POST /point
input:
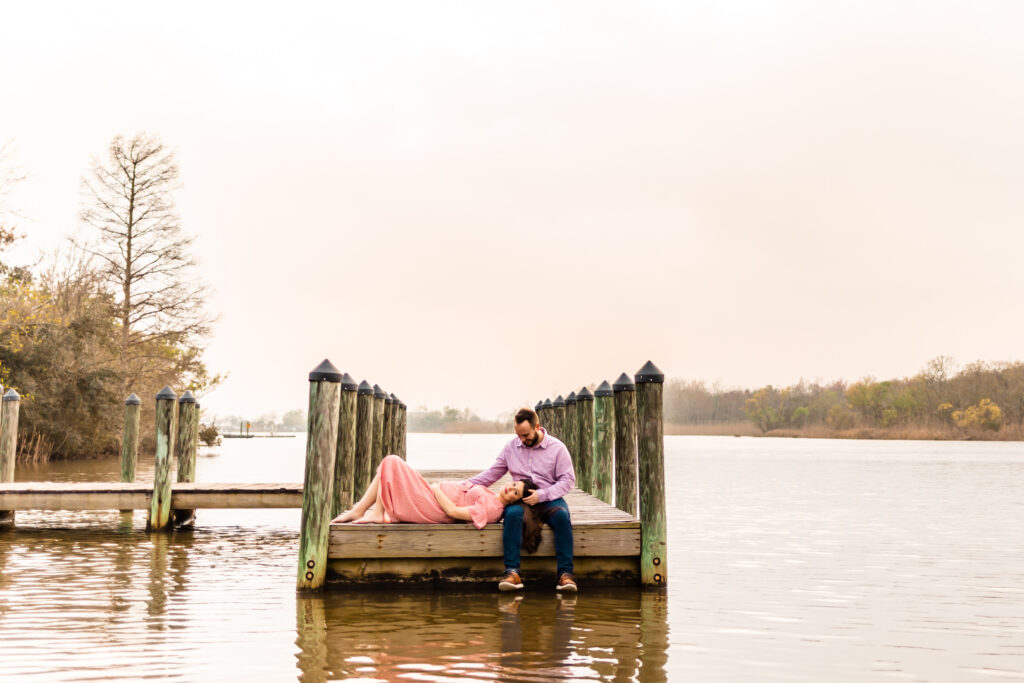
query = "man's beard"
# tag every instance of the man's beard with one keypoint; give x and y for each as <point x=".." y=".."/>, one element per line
<point x="531" y="442"/>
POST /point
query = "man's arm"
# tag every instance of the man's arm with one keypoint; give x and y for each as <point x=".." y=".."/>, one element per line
<point x="497" y="471"/>
<point x="565" y="478"/>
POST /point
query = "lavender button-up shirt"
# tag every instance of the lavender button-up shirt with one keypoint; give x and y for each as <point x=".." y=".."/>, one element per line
<point x="548" y="464"/>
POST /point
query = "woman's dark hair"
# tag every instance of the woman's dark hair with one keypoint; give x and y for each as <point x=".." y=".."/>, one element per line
<point x="531" y="519"/>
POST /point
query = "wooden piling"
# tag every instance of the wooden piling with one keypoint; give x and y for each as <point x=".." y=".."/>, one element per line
<point x="318" y="482"/>
<point x="651" y="456"/>
<point x="159" y="518"/>
<point x="547" y="409"/>
<point x="604" y="437"/>
<point x="389" y="425"/>
<point x="130" y="437"/>
<point x="396" y="408"/>
<point x="186" y="442"/>
<point x="377" y="452"/>
<point x="558" y="417"/>
<point x="585" y="448"/>
<point x="363" y="468"/>
<point x="403" y="430"/>
<point x="571" y="429"/>
<point x="625" y="444"/>
<point x="345" y="455"/>
<point x="8" y="446"/>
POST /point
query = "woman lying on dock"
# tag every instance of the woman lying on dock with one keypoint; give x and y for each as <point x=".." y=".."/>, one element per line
<point x="399" y="494"/>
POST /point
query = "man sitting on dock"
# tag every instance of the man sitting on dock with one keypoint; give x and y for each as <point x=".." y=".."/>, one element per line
<point x="535" y="454"/>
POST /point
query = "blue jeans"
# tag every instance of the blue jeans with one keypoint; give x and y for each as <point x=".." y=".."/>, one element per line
<point x="555" y="513"/>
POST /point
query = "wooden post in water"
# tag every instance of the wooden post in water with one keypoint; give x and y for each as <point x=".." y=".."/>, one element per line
<point x="651" y="450"/>
<point x="130" y="437"/>
<point x="159" y="518"/>
<point x="625" y="444"/>
<point x="378" y="429"/>
<point x="363" y="469"/>
<point x="558" y="418"/>
<point x="571" y="429"/>
<point x="391" y="438"/>
<point x="585" y="425"/>
<point x="604" y="437"/>
<point x="389" y="425"/>
<point x="8" y="446"/>
<point x="402" y="430"/>
<point x="318" y="482"/>
<point x="345" y="455"/>
<point x="185" y="447"/>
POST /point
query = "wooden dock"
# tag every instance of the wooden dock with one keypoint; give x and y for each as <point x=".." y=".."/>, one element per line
<point x="137" y="495"/>
<point x="606" y="548"/>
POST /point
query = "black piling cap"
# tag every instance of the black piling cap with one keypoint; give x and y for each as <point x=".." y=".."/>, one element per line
<point x="547" y="403"/>
<point x="570" y="400"/>
<point x="559" y="402"/>
<point x="584" y="395"/>
<point x="378" y="392"/>
<point x="12" y="395"/>
<point x="166" y="394"/>
<point x="540" y="404"/>
<point x="133" y="400"/>
<point x="187" y="397"/>
<point x="325" y="371"/>
<point x="623" y="383"/>
<point x="649" y="373"/>
<point x="401" y="405"/>
<point x="389" y="399"/>
<point x="604" y="389"/>
<point x="365" y="389"/>
<point x="348" y="383"/>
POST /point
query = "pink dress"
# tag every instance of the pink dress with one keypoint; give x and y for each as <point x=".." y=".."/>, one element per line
<point x="407" y="497"/>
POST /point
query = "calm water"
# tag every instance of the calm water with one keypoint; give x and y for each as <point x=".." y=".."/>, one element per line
<point x="789" y="560"/>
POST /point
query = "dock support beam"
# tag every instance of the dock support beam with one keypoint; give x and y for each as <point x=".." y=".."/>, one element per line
<point x="378" y="429"/>
<point x="571" y="428"/>
<point x="625" y="444"/>
<point x="604" y="436"/>
<point x="558" y="417"/>
<point x="651" y="446"/>
<point x="8" y="446"/>
<point x="387" y="431"/>
<point x="130" y="437"/>
<point x="402" y="430"/>
<point x="185" y="448"/>
<point x="345" y="455"/>
<point x="318" y="482"/>
<point x="585" y="452"/>
<point x="363" y="470"/>
<point x="159" y="518"/>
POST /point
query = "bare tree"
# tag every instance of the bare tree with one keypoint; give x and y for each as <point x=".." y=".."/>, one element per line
<point x="143" y="252"/>
<point x="10" y="176"/>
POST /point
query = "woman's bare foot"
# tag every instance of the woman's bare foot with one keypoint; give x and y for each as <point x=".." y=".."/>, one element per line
<point x="372" y="516"/>
<point x="346" y="516"/>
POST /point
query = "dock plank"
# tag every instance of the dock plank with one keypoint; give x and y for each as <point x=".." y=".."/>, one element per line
<point x="135" y="496"/>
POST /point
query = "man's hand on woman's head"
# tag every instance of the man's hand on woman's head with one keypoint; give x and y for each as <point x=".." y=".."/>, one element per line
<point x="531" y="499"/>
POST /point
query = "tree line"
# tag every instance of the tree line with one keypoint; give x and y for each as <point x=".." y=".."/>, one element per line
<point x="118" y="309"/>
<point x="979" y="400"/>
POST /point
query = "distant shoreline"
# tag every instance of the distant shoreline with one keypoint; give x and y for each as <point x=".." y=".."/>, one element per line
<point x="1009" y="433"/>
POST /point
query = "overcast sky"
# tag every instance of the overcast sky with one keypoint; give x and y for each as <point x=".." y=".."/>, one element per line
<point x="482" y="204"/>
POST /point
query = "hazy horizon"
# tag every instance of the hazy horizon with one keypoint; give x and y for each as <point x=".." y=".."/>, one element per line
<point x="484" y="205"/>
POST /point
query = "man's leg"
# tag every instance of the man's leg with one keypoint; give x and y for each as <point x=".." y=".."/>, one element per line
<point x="556" y="514"/>
<point x="512" y="540"/>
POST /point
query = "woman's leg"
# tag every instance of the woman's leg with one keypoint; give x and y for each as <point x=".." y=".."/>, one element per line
<point x="371" y="496"/>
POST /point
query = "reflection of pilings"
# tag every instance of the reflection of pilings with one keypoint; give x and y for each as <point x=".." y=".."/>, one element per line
<point x="653" y="636"/>
<point x="156" y="606"/>
<point x="311" y="638"/>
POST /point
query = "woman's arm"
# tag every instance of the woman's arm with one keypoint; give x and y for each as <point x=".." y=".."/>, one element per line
<point x="450" y="508"/>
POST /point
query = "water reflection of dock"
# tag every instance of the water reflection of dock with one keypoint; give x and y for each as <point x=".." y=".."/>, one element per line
<point x="607" y="635"/>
